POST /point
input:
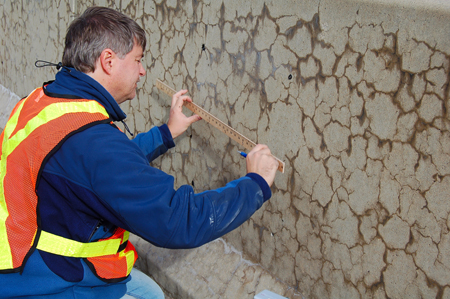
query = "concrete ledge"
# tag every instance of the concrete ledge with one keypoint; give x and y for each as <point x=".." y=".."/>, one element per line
<point x="215" y="270"/>
<point x="8" y="100"/>
<point x="438" y="5"/>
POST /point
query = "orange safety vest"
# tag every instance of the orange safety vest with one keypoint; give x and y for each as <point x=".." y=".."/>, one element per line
<point x="37" y="127"/>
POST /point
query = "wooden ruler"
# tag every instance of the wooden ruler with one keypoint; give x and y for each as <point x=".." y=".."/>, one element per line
<point x="217" y="123"/>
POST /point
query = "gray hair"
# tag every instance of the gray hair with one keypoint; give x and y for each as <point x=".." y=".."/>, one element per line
<point x="100" y="28"/>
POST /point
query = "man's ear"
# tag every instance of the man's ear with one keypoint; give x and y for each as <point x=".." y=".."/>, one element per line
<point x="106" y="60"/>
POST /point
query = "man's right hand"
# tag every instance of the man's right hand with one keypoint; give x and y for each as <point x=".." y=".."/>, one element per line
<point x="260" y="161"/>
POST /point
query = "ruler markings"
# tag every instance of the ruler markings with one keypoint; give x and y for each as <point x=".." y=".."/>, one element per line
<point x="217" y="123"/>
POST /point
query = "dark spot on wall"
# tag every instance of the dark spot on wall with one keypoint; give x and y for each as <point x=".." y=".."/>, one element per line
<point x="350" y="145"/>
<point x="362" y="117"/>
<point x="290" y="32"/>
<point x="203" y="47"/>
<point x="316" y="25"/>
<point x="323" y="145"/>
<point x="290" y="76"/>
<point x="359" y="62"/>
<point x="192" y="29"/>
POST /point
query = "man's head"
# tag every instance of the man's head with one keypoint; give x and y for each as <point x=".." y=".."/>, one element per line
<point x="100" y="28"/>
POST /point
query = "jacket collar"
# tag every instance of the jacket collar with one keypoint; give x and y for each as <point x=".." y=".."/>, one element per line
<point x="69" y="81"/>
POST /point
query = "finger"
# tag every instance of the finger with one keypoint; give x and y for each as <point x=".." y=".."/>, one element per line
<point x="177" y="95"/>
<point x="259" y="147"/>
<point x="265" y="151"/>
<point x="187" y="99"/>
<point x="180" y="101"/>
<point x="192" y="119"/>
<point x="184" y="99"/>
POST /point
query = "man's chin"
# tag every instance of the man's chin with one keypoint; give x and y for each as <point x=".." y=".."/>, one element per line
<point x="131" y="96"/>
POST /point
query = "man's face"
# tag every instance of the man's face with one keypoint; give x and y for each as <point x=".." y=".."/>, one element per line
<point x="127" y="73"/>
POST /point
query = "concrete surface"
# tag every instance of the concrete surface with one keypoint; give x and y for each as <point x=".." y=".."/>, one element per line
<point x="8" y="100"/>
<point x="215" y="270"/>
<point x="352" y="95"/>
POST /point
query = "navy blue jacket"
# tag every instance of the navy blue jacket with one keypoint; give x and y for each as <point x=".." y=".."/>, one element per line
<point x="99" y="180"/>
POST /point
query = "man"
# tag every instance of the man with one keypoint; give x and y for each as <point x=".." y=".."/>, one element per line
<point x="72" y="185"/>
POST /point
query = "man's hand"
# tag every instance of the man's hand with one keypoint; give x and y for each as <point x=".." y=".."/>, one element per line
<point x="260" y="160"/>
<point x="178" y="122"/>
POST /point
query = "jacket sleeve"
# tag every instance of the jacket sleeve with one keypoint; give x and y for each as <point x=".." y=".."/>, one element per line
<point x="144" y="200"/>
<point x="154" y="142"/>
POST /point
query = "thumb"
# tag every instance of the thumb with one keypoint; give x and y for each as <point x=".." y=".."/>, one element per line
<point x="192" y="119"/>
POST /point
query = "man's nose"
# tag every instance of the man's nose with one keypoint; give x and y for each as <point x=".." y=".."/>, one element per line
<point x="142" y="71"/>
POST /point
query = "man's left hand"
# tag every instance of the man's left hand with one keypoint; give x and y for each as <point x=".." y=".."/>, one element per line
<point x="178" y="122"/>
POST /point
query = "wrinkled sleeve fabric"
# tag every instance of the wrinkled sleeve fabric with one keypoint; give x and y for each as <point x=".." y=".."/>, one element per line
<point x="144" y="198"/>
<point x="155" y="142"/>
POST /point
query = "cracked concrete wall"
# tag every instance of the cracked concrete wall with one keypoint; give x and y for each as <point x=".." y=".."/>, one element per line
<point x="352" y="95"/>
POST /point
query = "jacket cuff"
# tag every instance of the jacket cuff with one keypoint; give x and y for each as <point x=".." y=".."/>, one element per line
<point x="267" y="193"/>
<point x="166" y="136"/>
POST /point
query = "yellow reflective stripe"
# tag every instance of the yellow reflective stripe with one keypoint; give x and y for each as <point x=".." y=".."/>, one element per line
<point x="129" y="255"/>
<point x="126" y="235"/>
<point x="5" y="250"/>
<point x="61" y="246"/>
<point x="51" y="112"/>
<point x="11" y="124"/>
